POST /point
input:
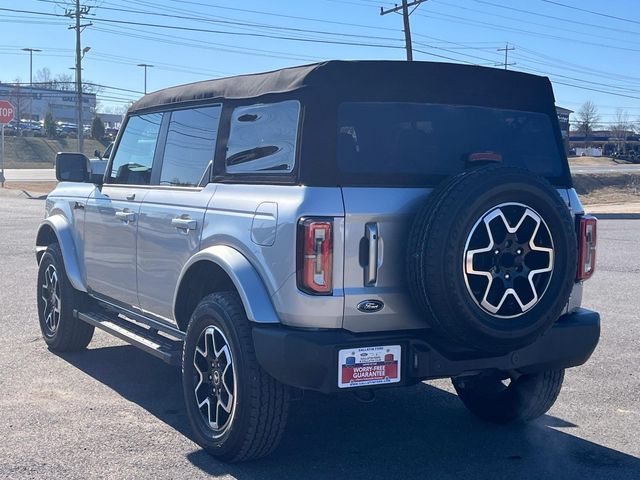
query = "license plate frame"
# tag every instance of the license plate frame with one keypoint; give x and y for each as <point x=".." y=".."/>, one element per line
<point x="369" y="366"/>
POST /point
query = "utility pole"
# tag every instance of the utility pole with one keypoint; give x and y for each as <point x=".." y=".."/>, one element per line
<point x="506" y="51"/>
<point x="30" y="50"/>
<point x="79" y="14"/>
<point x="145" y="66"/>
<point x="405" y="17"/>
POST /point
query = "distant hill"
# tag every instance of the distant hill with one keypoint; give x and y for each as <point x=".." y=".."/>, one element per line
<point x="36" y="152"/>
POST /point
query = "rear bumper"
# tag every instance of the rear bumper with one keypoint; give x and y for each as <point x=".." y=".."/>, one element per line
<point x="309" y="359"/>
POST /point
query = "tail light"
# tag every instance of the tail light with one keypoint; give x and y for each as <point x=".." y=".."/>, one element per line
<point x="315" y="256"/>
<point x="587" y="242"/>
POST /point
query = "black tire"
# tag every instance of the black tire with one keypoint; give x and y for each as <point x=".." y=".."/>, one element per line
<point x="67" y="333"/>
<point x="438" y="283"/>
<point x="257" y="420"/>
<point x="523" y="399"/>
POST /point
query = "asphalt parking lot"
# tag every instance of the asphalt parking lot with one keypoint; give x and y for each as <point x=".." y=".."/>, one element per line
<point x="114" y="412"/>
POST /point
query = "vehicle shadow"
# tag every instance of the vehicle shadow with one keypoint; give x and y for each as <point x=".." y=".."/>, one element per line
<point x="415" y="432"/>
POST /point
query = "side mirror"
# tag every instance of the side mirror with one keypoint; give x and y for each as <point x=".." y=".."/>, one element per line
<point x="72" y="167"/>
<point x="96" y="153"/>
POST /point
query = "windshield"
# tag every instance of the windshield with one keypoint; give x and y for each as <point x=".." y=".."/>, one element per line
<point x="410" y="143"/>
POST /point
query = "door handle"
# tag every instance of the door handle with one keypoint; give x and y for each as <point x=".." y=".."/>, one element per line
<point x="126" y="216"/>
<point x="131" y="196"/>
<point x="182" y="223"/>
<point x="371" y="269"/>
<point x="78" y="205"/>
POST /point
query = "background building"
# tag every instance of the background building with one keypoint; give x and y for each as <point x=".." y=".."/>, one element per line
<point x="33" y="103"/>
<point x="606" y="141"/>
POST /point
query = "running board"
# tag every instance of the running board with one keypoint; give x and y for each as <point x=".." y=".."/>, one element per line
<point x="147" y="339"/>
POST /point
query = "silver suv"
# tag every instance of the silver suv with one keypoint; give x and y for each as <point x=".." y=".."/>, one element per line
<point x="337" y="227"/>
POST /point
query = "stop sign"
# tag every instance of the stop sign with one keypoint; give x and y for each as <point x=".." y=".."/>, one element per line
<point x="7" y="111"/>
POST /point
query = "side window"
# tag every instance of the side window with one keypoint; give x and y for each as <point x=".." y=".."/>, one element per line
<point x="263" y="138"/>
<point x="190" y="147"/>
<point x="134" y="157"/>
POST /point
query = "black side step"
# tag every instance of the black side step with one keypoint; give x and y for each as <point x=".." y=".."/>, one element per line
<point x="167" y="350"/>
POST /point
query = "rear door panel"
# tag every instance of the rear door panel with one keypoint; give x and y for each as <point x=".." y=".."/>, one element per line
<point x="164" y="247"/>
<point x="390" y="210"/>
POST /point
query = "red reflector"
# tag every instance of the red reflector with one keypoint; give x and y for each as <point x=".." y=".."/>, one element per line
<point x="315" y="256"/>
<point x="587" y="243"/>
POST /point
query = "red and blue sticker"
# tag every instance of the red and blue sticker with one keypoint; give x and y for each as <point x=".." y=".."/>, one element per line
<point x="358" y="367"/>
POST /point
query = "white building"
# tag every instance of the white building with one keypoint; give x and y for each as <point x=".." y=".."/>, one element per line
<point x="35" y="102"/>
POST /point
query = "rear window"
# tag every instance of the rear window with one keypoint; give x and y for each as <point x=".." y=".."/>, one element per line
<point x="412" y="143"/>
<point x="262" y="139"/>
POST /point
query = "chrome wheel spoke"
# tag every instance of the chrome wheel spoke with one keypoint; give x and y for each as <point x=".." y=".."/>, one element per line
<point x="508" y="260"/>
<point x="229" y="393"/>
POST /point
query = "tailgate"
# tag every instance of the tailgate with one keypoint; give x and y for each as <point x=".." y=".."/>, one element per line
<point x="377" y="223"/>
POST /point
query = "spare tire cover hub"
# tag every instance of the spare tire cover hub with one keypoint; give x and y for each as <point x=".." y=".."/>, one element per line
<point x="508" y="260"/>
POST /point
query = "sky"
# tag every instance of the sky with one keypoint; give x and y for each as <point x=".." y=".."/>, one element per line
<point x="590" y="49"/>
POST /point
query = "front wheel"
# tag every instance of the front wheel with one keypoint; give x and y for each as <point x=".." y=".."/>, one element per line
<point x="500" y="398"/>
<point x="236" y="410"/>
<point x="56" y="301"/>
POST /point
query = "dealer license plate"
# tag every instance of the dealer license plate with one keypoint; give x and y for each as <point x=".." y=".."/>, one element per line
<point x="359" y="367"/>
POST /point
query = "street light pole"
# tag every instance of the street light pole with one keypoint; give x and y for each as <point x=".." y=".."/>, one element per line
<point x="31" y="50"/>
<point x="78" y="14"/>
<point x="145" y="66"/>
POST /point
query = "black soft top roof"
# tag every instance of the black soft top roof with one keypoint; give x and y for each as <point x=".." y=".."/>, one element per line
<point x="377" y="80"/>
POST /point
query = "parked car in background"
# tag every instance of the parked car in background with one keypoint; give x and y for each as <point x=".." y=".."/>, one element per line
<point x="111" y="133"/>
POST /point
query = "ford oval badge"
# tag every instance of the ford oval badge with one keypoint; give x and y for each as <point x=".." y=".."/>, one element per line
<point x="370" y="306"/>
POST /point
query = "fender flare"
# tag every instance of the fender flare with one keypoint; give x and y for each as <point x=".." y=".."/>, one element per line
<point x="62" y="231"/>
<point x="253" y="293"/>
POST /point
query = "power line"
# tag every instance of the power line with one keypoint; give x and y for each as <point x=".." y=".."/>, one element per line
<point x="201" y="44"/>
<point x="244" y="34"/>
<point x="493" y="26"/>
<point x="310" y="19"/>
<point x="239" y="23"/>
<point x="593" y="12"/>
<point x="556" y="18"/>
<point x="221" y="32"/>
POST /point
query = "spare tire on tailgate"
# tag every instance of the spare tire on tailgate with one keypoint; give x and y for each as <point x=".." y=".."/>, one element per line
<point x="492" y="259"/>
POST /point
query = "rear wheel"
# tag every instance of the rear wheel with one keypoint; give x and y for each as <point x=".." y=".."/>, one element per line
<point x="57" y="300"/>
<point x="236" y="410"/>
<point x="500" y="398"/>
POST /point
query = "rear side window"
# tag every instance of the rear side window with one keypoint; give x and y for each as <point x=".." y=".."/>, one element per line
<point x="134" y="157"/>
<point x="263" y="138"/>
<point x="190" y="146"/>
<point x="402" y="142"/>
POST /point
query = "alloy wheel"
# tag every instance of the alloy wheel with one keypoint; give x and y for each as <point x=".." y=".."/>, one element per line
<point x="508" y="260"/>
<point x="215" y="379"/>
<point x="50" y="294"/>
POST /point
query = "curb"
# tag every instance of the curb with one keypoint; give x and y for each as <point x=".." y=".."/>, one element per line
<point x="616" y="216"/>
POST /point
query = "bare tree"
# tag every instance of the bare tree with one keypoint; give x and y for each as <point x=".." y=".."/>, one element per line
<point x="588" y="119"/>
<point x="18" y="98"/>
<point x="90" y="87"/>
<point x="42" y="78"/>
<point x="621" y="129"/>
<point x="64" y="81"/>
